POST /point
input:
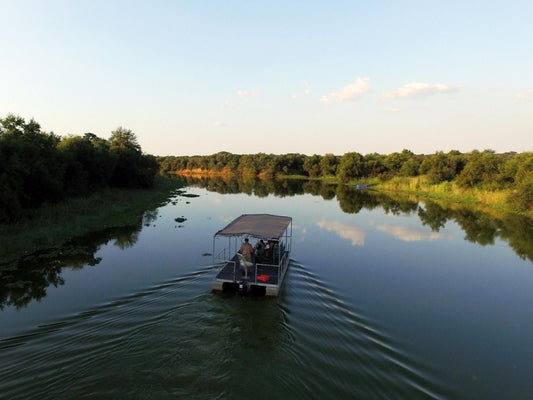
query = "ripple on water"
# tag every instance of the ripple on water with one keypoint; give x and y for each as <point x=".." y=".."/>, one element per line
<point x="178" y="339"/>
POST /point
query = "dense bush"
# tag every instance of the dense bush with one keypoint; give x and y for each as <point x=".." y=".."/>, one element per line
<point x="38" y="167"/>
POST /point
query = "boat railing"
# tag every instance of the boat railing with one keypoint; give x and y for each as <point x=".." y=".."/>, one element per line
<point x="281" y="266"/>
<point x="221" y="256"/>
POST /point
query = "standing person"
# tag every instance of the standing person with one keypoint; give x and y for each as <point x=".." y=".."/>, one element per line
<point x="247" y="250"/>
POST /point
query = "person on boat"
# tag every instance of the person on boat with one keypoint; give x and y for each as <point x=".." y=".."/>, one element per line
<point x="260" y="250"/>
<point x="269" y="250"/>
<point x="247" y="250"/>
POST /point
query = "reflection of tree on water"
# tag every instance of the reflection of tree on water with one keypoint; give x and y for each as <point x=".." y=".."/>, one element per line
<point x="28" y="278"/>
<point x="433" y="216"/>
<point x="479" y="227"/>
<point x="257" y="187"/>
<point x="482" y="228"/>
<point x="352" y="201"/>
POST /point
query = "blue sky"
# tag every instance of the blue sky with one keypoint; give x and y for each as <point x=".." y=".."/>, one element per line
<point x="312" y="77"/>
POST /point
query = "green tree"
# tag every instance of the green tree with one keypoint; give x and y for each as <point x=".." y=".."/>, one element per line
<point x="312" y="165"/>
<point x="481" y="168"/>
<point x="124" y="139"/>
<point x="328" y="164"/>
<point x="441" y="167"/>
<point x="350" y="167"/>
<point x="373" y="164"/>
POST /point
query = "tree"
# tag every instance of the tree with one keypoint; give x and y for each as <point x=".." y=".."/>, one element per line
<point x="312" y="165"/>
<point x="441" y="167"/>
<point x="480" y="168"/>
<point x="350" y="167"/>
<point x="328" y="164"/>
<point x="124" y="139"/>
<point x="373" y="164"/>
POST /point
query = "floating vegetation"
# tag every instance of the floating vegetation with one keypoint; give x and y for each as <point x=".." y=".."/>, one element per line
<point x="190" y="195"/>
<point x="180" y="219"/>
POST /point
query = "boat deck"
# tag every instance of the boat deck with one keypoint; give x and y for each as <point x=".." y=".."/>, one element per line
<point x="226" y="274"/>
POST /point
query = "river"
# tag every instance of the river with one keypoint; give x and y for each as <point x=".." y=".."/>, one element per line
<point x="385" y="298"/>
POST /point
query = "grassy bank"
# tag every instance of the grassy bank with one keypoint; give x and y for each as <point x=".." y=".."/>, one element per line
<point x="498" y="200"/>
<point x="51" y="226"/>
<point x="449" y="191"/>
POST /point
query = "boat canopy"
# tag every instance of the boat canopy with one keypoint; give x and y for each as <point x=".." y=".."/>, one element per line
<point x="266" y="226"/>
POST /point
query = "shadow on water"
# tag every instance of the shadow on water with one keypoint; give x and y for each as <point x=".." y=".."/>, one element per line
<point x="27" y="278"/>
<point x="177" y="340"/>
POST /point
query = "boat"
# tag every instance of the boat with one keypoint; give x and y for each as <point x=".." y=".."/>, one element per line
<point x="265" y="272"/>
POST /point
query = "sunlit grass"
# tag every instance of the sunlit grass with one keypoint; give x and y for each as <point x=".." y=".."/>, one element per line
<point x="450" y="191"/>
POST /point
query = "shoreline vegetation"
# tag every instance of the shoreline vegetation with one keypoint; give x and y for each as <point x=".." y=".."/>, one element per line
<point x="57" y="188"/>
<point x="39" y="167"/>
<point x="487" y="179"/>
<point x="51" y="226"/>
<point x="483" y="199"/>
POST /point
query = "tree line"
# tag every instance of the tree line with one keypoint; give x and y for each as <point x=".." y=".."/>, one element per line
<point x="38" y="167"/>
<point x="486" y="169"/>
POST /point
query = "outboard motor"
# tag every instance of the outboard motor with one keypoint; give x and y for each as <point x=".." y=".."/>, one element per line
<point x="242" y="287"/>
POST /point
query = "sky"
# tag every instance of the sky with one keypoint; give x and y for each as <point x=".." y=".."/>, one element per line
<point x="312" y="77"/>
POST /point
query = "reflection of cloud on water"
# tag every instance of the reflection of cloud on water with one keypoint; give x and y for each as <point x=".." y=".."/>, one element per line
<point x="409" y="234"/>
<point x="302" y="236"/>
<point x="345" y="231"/>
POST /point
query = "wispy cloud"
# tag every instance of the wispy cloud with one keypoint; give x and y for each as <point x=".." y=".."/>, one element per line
<point x="226" y="104"/>
<point x="248" y="93"/>
<point x="350" y="92"/>
<point x="304" y="94"/>
<point x="527" y="96"/>
<point x="345" y="231"/>
<point x="219" y="124"/>
<point x="415" y="90"/>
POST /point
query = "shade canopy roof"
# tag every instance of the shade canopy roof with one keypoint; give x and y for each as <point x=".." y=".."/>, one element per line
<point x="265" y="226"/>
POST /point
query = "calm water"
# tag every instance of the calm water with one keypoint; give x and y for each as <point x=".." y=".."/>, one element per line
<point x="384" y="299"/>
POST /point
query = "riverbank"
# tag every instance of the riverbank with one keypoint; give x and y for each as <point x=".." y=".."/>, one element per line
<point x="51" y="226"/>
<point x="498" y="200"/>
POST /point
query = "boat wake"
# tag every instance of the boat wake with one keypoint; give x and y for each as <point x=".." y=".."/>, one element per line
<point x="177" y="339"/>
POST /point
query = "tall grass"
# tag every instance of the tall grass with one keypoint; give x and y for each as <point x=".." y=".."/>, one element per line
<point x="450" y="191"/>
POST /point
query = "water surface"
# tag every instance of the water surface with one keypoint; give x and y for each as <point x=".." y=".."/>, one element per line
<point x="384" y="298"/>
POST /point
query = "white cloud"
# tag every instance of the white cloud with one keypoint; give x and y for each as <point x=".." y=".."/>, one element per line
<point x="304" y="94"/>
<point x="416" y="90"/>
<point x="527" y="96"/>
<point x="350" y="92"/>
<point x="345" y="231"/>
<point x="248" y="93"/>
<point x="226" y="104"/>
<point x="219" y="124"/>
<point x="408" y="234"/>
